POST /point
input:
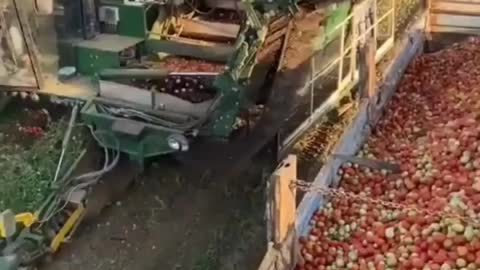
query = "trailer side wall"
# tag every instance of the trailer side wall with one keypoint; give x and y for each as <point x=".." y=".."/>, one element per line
<point x="359" y="129"/>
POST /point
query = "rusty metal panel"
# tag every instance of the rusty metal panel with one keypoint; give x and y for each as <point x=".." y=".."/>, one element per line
<point x="454" y="16"/>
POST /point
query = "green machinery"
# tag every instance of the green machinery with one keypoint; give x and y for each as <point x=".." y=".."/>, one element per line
<point x="174" y="72"/>
<point x="154" y="75"/>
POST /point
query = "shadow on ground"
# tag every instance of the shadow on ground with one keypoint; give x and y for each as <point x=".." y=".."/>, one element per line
<point x="173" y="221"/>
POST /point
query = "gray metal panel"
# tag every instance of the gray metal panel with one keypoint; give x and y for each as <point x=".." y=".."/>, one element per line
<point x="108" y="42"/>
<point x="456" y="20"/>
<point x="129" y="127"/>
<point x="143" y="98"/>
<point x="456" y="30"/>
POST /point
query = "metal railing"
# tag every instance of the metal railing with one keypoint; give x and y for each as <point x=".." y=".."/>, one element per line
<point x="341" y="73"/>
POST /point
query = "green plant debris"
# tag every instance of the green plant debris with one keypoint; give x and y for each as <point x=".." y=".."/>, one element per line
<point x="28" y="169"/>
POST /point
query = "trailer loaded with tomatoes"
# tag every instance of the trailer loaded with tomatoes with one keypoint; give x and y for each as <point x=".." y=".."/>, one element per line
<point x="426" y="215"/>
<point x="401" y="189"/>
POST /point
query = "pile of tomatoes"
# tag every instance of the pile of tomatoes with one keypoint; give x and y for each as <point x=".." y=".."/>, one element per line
<point x="431" y="128"/>
<point x="183" y="64"/>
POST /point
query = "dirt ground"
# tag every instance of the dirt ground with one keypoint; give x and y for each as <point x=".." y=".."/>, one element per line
<point x="170" y="222"/>
<point x="167" y="220"/>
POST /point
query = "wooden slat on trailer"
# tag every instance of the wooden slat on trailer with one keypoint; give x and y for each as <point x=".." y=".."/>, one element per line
<point x="281" y="209"/>
<point x="454" y="16"/>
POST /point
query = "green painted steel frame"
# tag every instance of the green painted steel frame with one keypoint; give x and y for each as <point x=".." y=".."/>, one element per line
<point x="150" y="143"/>
<point x="90" y="61"/>
<point x="230" y="85"/>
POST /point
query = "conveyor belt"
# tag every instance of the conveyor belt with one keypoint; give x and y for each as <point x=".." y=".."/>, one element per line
<point x="233" y="157"/>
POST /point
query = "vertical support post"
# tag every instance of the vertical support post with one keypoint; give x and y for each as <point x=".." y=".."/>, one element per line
<point x="342" y="56"/>
<point x="428" y="21"/>
<point x="367" y="68"/>
<point x="354" y="49"/>
<point x="362" y="73"/>
<point x="368" y="53"/>
<point x="281" y="214"/>
<point x="394" y="19"/>
<point x="312" y="86"/>
<point x="284" y="199"/>
<point x="375" y="20"/>
<point x="372" y="67"/>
